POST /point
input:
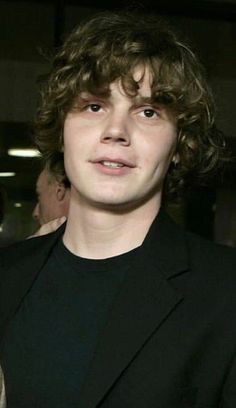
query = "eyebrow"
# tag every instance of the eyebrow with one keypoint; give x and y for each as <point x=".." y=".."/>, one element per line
<point x="149" y="100"/>
<point x="144" y="99"/>
<point x="137" y="99"/>
<point x="85" y="96"/>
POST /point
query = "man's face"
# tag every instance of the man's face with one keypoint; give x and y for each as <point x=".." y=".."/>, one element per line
<point x="118" y="148"/>
<point x="47" y="207"/>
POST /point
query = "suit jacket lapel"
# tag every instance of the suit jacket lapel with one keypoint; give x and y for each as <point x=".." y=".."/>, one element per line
<point x="144" y="301"/>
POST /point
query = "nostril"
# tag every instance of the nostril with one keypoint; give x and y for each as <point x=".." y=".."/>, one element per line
<point x="124" y="141"/>
<point x="115" y="134"/>
<point x="115" y="139"/>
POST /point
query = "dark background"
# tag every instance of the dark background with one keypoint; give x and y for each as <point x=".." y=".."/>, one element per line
<point x="29" y="29"/>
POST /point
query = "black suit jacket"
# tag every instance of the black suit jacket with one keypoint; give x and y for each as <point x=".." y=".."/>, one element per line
<point x="170" y="339"/>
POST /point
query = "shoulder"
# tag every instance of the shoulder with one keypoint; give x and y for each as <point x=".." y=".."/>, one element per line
<point x="16" y="249"/>
<point x="28" y="248"/>
<point x="19" y="267"/>
<point x="197" y="252"/>
<point x="208" y="252"/>
<point x="213" y="267"/>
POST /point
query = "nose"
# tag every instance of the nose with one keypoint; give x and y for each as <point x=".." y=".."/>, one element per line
<point x="117" y="130"/>
<point x="35" y="213"/>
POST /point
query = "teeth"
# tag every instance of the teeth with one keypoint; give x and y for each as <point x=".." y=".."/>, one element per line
<point x="112" y="165"/>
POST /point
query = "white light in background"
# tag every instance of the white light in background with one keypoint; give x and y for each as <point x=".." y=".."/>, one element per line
<point x="7" y="174"/>
<point x="17" y="205"/>
<point x="23" y="152"/>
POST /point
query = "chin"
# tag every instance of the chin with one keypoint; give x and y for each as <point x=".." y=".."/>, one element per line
<point x="118" y="206"/>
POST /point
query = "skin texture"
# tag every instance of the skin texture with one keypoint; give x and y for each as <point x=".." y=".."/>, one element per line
<point x="53" y="199"/>
<point x="118" y="129"/>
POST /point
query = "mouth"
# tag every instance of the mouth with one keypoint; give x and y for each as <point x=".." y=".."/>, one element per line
<point x="111" y="164"/>
<point x="114" y="163"/>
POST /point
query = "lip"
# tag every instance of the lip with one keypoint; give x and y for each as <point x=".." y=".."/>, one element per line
<point x="119" y="160"/>
<point x="124" y="170"/>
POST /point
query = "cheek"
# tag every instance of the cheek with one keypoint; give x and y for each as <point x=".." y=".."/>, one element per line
<point x="166" y="147"/>
<point x="157" y="155"/>
<point x="75" y="140"/>
<point x="74" y="158"/>
<point x="157" y="159"/>
<point x="71" y="148"/>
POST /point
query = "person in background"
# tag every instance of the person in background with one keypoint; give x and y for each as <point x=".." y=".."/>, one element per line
<point x="120" y="307"/>
<point x="53" y="194"/>
<point x="2" y="391"/>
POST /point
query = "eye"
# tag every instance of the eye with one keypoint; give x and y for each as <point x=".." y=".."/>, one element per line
<point x="94" y="107"/>
<point x="150" y="113"/>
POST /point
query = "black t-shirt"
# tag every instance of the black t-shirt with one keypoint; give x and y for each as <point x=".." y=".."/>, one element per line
<point x="50" y="341"/>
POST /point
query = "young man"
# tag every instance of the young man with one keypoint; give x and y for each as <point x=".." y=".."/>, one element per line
<point x="121" y="308"/>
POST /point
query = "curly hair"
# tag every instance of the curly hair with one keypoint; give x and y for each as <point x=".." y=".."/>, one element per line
<point x="109" y="46"/>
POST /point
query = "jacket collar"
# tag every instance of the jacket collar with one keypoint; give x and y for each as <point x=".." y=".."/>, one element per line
<point x="165" y="245"/>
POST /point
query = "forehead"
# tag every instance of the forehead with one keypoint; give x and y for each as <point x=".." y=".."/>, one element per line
<point x="137" y="83"/>
<point x="144" y="78"/>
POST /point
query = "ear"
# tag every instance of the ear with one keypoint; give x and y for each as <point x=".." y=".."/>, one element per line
<point x="60" y="192"/>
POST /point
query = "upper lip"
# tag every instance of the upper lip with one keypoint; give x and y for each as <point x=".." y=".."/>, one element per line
<point x="119" y="160"/>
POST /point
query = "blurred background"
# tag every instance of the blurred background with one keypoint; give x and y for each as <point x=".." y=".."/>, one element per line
<point x="30" y="29"/>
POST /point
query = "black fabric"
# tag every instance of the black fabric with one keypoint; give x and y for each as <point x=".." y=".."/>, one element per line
<point x="51" y="340"/>
<point x="170" y="337"/>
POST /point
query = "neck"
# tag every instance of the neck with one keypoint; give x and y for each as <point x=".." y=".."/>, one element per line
<point x="97" y="233"/>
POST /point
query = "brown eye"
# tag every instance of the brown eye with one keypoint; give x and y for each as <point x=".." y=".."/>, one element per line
<point x="94" y="107"/>
<point x="149" y="113"/>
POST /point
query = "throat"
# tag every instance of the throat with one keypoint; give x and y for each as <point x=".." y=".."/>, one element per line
<point x="100" y="235"/>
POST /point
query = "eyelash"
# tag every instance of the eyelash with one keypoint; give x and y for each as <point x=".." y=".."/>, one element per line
<point x="154" y="112"/>
<point x="89" y="106"/>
